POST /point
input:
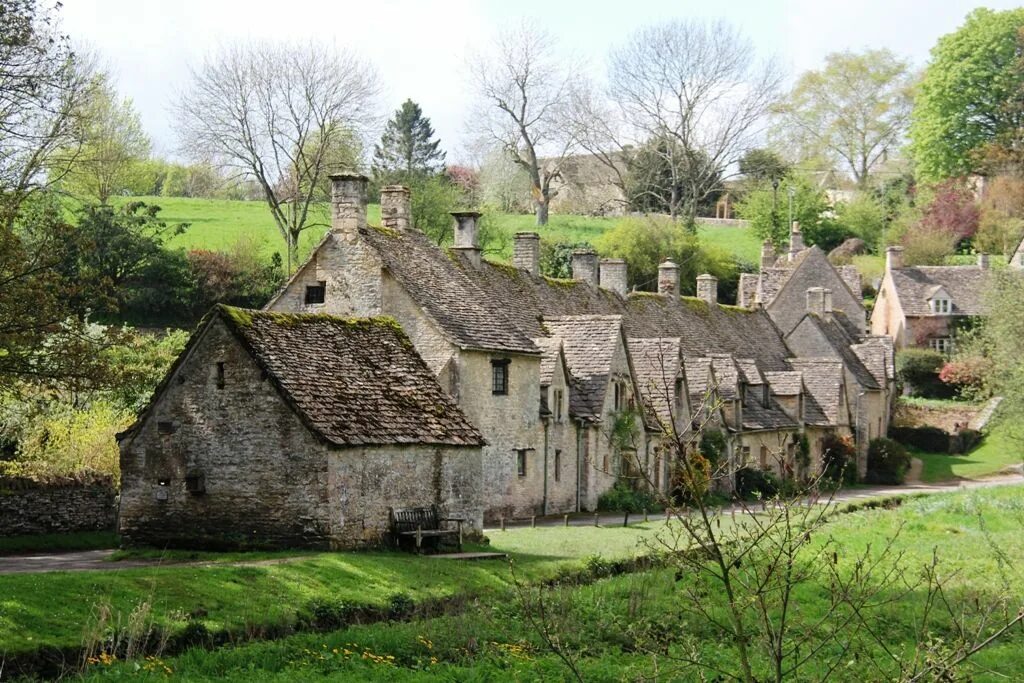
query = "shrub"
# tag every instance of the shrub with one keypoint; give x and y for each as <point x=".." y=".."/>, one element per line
<point x="967" y="374"/>
<point x="928" y="439"/>
<point x="623" y="497"/>
<point x="838" y="460"/>
<point x="888" y="462"/>
<point x="712" y="445"/>
<point x="756" y="484"/>
<point x="965" y="440"/>
<point x="919" y="369"/>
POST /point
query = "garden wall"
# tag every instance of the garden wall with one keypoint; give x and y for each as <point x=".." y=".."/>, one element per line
<point x="64" y="506"/>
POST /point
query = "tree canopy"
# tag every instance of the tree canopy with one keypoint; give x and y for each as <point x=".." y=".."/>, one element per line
<point x="408" y="146"/>
<point x="966" y="97"/>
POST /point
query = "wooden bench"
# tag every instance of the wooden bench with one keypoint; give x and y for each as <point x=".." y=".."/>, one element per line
<point x="422" y="527"/>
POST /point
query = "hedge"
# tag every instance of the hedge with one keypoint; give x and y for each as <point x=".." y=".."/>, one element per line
<point x="888" y="462"/>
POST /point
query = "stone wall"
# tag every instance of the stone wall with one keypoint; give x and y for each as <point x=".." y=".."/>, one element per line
<point x="28" y="507"/>
<point x="263" y="474"/>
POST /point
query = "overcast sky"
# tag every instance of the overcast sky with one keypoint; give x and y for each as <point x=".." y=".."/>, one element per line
<point x="418" y="48"/>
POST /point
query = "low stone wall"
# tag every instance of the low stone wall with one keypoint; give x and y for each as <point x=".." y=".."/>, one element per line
<point x="29" y="507"/>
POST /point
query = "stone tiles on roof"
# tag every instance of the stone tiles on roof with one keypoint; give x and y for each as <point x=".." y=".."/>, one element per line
<point x="354" y="382"/>
<point x="434" y="281"/>
<point x="760" y="417"/>
<point x="823" y="379"/>
<point x="965" y="284"/>
<point x="785" y="383"/>
<point x="841" y="343"/>
<point x="657" y="364"/>
<point x="589" y="343"/>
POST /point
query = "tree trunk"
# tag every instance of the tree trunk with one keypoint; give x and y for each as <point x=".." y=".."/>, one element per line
<point x="541" y="206"/>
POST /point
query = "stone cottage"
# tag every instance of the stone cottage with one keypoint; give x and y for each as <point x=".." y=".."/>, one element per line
<point x="924" y="306"/>
<point x="278" y="429"/>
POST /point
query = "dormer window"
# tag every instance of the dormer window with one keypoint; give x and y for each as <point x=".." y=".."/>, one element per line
<point x="316" y="294"/>
<point x="558" y="404"/>
<point x="941" y="306"/>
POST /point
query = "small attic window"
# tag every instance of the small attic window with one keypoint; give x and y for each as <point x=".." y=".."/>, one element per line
<point x="316" y="294"/>
<point x="941" y="305"/>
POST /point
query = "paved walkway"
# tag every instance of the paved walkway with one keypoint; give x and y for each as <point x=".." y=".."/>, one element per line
<point x="91" y="560"/>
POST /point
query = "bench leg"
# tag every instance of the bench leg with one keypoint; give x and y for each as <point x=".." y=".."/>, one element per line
<point x="419" y="538"/>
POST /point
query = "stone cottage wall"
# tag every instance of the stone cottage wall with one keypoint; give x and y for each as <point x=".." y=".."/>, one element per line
<point x="28" y="507"/>
<point x="263" y="474"/>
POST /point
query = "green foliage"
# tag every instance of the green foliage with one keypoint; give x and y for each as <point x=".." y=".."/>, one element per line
<point x="760" y="165"/>
<point x="926" y="438"/>
<point x="407" y="148"/>
<point x="919" y="370"/>
<point x="962" y="102"/>
<point x="756" y="484"/>
<point x="434" y="197"/>
<point x="712" y="445"/>
<point x="888" y="462"/>
<point x="624" y="497"/>
<point x="768" y="210"/>
<point x="665" y="178"/>
<point x="864" y="217"/>
<point x="838" y="460"/>
<point x="193" y="180"/>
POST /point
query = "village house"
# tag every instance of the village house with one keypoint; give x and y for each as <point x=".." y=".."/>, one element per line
<point x="925" y="306"/>
<point x="278" y="429"/>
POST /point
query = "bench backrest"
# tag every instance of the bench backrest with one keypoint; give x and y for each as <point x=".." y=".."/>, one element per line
<point x="410" y="519"/>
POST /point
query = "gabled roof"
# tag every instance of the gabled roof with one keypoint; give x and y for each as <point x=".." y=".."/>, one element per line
<point x="786" y="383"/>
<point x="837" y="338"/>
<point x="589" y="343"/>
<point x="749" y="371"/>
<point x="760" y="417"/>
<point x="657" y="363"/>
<point x="916" y="285"/>
<point x="876" y="353"/>
<point x="353" y="382"/>
<point x="727" y="374"/>
<point x="550" y="353"/>
<point x="823" y="379"/>
<point x="779" y="278"/>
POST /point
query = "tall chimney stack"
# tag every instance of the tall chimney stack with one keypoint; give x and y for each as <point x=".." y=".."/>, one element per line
<point x="707" y="289"/>
<point x="796" y="240"/>
<point x="584" y="266"/>
<point x="668" y="278"/>
<point x="819" y="302"/>
<point x="395" y="207"/>
<point x="893" y="258"/>
<point x="613" y="275"/>
<point x="348" y="202"/>
<point x="767" y="255"/>
<point x="467" y="235"/>
<point x="526" y="252"/>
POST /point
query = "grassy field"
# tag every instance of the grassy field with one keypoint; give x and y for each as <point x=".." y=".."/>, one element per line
<point x="219" y="224"/>
<point x="997" y="452"/>
<point x="602" y="622"/>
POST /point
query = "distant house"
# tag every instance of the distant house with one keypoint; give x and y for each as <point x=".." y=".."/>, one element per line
<point x="279" y="429"/>
<point x="922" y="306"/>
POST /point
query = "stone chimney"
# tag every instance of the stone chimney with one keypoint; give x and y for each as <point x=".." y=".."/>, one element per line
<point x="893" y="258"/>
<point x="348" y="202"/>
<point x="466" y="235"/>
<point x="526" y="252"/>
<point x="584" y="266"/>
<point x="983" y="261"/>
<point x="796" y="240"/>
<point x="707" y="289"/>
<point x="767" y="255"/>
<point x="819" y="302"/>
<point x="395" y="207"/>
<point x="613" y="275"/>
<point x="668" y="278"/>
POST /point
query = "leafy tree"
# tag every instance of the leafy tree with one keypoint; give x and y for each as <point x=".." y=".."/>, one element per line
<point x="433" y="200"/>
<point x="767" y="210"/>
<point x="759" y="165"/>
<point x="854" y="111"/>
<point x="863" y="216"/>
<point x="658" y="181"/>
<point x="964" y="100"/>
<point x="1001" y="226"/>
<point x="408" y="147"/>
<point x="195" y="180"/>
<point x="112" y="143"/>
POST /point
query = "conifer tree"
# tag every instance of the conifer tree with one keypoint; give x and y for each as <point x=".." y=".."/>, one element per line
<point x="407" y="148"/>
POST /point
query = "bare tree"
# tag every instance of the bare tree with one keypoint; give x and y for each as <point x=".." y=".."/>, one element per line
<point x="690" y="93"/>
<point x="43" y="85"/>
<point x="524" y="87"/>
<point x="276" y="113"/>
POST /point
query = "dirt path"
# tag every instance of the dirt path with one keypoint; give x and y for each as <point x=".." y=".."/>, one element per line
<point x="914" y="473"/>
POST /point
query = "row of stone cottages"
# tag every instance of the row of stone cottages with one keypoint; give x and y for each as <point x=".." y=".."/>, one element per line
<point x="391" y="372"/>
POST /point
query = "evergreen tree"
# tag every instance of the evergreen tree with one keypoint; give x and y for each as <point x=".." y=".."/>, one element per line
<point x="407" y="148"/>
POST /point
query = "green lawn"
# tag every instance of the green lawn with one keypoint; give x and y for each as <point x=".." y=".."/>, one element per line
<point x="972" y="532"/>
<point x="997" y="452"/>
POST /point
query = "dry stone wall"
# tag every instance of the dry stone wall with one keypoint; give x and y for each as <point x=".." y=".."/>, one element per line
<point x="28" y="507"/>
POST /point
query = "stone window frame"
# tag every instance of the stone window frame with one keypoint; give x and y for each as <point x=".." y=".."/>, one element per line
<point x="559" y="396"/>
<point x="558" y="464"/>
<point x="941" y="306"/>
<point x="221" y="380"/>
<point x="521" y="463"/>
<point x="943" y="345"/>
<point x="500" y="376"/>
<point x="316" y="295"/>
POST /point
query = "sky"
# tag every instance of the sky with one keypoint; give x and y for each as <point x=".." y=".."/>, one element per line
<point x="419" y="49"/>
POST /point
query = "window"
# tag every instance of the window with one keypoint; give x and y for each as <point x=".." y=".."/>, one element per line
<point x="220" y="375"/>
<point x="620" y="396"/>
<point x="521" y="462"/>
<point x="558" y="405"/>
<point x="764" y="458"/>
<point x="165" y="427"/>
<point x="195" y="483"/>
<point x="745" y="455"/>
<point x="316" y="294"/>
<point x="941" y="344"/>
<point x="558" y="465"/>
<point x="499" y="376"/>
<point x="941" y="306"/>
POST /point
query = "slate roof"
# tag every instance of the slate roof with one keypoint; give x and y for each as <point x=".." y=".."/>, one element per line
<point x="965" y="285"/>
<point x="657" y="364"/>
<point x="876" y="353"/>
<point x="727" y="375"/>
<point x="589" y="343"/>
<point x="758" y="417"/>
<point x="700" y="379"/>
<point x="786" y="383"/>
<point x="749" y="372"/>
<point x="841" y="343"/>
<point x="353" y="382"/>
<point x="823" y="379"/>
<point x="851" y="276"/>
<point x="550" y="348"/>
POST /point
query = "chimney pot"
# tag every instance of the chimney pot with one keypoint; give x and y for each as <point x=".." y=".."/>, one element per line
<point x="613" y="275"/>
<point x="767" y="255"/>
<point x="584" y="266"/>
<point x="668" y="278"/>
<point x="893" y="258"/>
<point x="707" y="289"/>
<point x="396" y="207"/>
<point x="796" y="240"/>
<point x="526" y="252"/>
<point x="348" y="202"/>
<point x="819" y="302"/>
<point x="467" y="235"/>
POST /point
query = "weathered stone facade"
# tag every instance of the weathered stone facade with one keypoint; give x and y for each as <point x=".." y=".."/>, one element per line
<point x="28" y="507"/>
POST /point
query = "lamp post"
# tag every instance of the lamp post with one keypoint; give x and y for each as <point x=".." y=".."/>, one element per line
<point x="775" y="203"/>
<point x="792" y="195"/>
